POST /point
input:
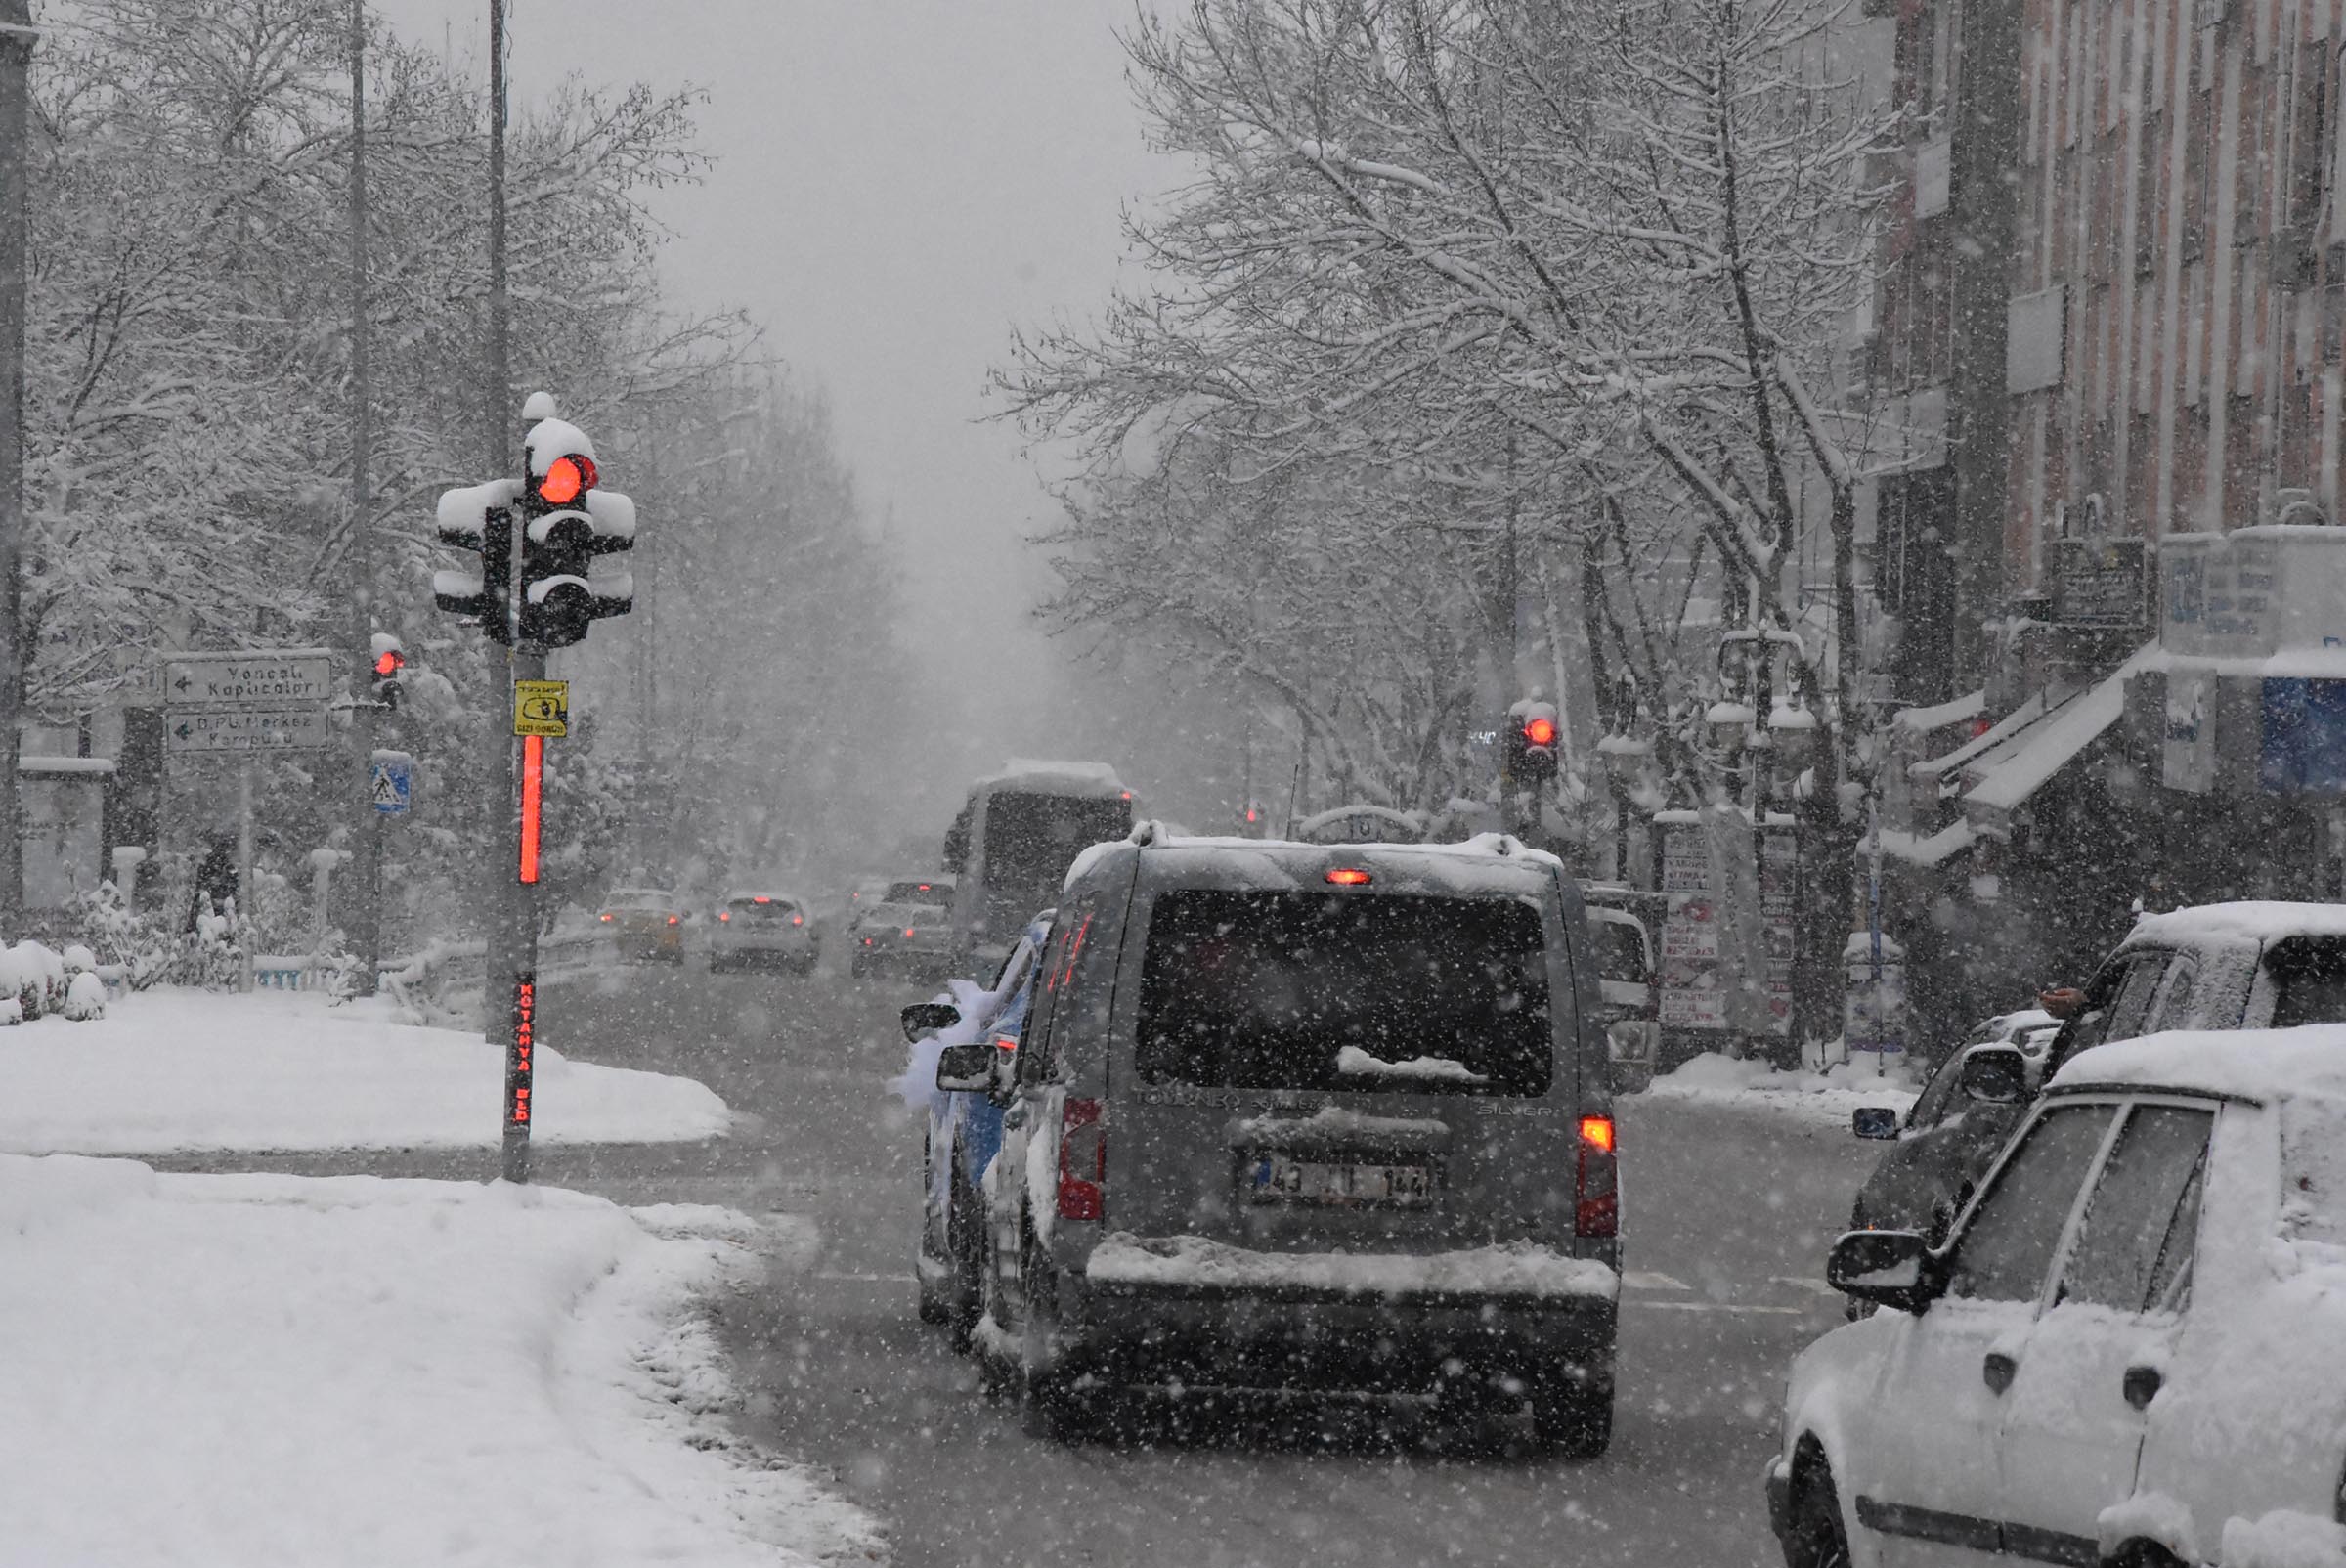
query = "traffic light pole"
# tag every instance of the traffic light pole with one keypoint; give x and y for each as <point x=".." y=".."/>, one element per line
<point x="365" y="900"/>
<point x="519" y="970"/>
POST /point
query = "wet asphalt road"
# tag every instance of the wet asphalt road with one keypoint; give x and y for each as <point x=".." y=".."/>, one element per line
<point x="1727" y="1213"/>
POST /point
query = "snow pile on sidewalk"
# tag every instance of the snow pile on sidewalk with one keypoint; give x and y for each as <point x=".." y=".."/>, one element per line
<point x="265" y="1369"/>
<point x="170" y="1071"/>
<point x="1824" y="1099"/>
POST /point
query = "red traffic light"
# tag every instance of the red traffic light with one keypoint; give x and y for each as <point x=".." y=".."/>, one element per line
<point x="565" y="479"/>
<point x="389" y="663"/>
<point x="1539" y="731"/>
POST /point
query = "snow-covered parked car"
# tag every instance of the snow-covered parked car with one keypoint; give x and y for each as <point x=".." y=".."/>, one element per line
<point x="1950" y="1133"/>
<point x="961" y="1129"/>
<point x="2132" y="1350"/>
<point x="2209" y="967"/>
<point x="1298" y="1117"/>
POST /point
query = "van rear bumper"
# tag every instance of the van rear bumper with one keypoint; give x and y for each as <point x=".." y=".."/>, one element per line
<point x="1292" y="1338"/>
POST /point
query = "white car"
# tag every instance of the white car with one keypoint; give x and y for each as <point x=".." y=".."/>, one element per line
<point x="771" y="929"/>
<point x="2130" y="1352"/>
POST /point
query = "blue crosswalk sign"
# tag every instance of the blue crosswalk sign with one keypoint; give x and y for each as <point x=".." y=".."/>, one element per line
<point x="393" y="782"/>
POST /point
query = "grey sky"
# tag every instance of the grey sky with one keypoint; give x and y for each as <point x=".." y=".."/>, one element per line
<point x="898" y="182"/>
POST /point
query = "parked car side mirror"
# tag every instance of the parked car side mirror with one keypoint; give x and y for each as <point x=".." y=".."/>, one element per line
<point x="1890" y="1268"/>
<point x="965" y="1068"/>
<point x="922" y="1017"/>
<point x="1874" y="1122"/>
<point x="1996" y="1074"/>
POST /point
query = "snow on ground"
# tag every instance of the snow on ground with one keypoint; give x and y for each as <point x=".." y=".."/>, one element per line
<point x="169" y="1070"/>
<point x="1823" y="1099"/>
<point x="263" y="1370"/>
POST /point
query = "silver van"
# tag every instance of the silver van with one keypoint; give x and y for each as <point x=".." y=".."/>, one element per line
<point x="1301" y="1116"/>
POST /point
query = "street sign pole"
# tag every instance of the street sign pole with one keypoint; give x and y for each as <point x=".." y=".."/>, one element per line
<point x="521" y="904"/>
<point x="245" y="902"/>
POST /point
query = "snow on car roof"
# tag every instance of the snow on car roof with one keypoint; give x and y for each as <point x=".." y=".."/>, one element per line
<point x="2256" y="1063"/>
<point x="1488" y="863"/>
<point x="641" y="897"/>
<point x="1070" y="779"/>
<point x="2250" y="920"/>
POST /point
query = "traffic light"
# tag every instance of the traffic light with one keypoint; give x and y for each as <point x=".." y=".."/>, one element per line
<point x="1537" y="724"/>
<point x="390" y="658"/>
<point x="480" y="517"/>
<point x="566" y="523"/>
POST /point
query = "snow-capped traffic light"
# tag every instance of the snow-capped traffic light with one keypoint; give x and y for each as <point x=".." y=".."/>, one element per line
<point x="1530" y="742"/>
<point x="567" y="521"/>
<point x="390" y="658"/>
<point x="480" y="518"/>
<point x="1538" y="742"/>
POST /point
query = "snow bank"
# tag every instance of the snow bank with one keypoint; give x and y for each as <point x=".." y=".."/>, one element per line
<point x="263" y="1370"/>
<point x="1824" y="1099"/>
<point x="1194" y="1262"/>
<point x="173" y="1071"/>
<point x="2283" y="1539"/>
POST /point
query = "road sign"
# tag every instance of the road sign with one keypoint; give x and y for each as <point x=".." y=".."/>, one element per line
<point x="262" y="677"/>
<point x="246" y="729"/>
<point x="542" y="708"/>
<point x="391" y="785"/>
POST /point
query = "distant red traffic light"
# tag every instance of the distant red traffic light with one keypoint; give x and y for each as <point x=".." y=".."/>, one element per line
<point x="1540" y="731"/>
<point x="389" y="663"/>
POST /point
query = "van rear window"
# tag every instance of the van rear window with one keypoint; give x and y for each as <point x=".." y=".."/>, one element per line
<point x="1316" y="991"/>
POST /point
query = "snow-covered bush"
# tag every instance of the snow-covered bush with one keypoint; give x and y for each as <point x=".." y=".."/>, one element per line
<point x="35" y="977"/>
<point x="85" y="997"/>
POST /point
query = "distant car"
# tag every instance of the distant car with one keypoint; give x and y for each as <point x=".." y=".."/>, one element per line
<point x="645" y="925"/>
<point x="1628" y="995"/>
<point x="1947" y="1136"/>
<point x="2131" y="1350"/>
<point x="912" y="938"/>
<point x="2210" y="967"/>
<point x="962" y="1133"/>
<point x="921" y="891"/>
<point x="1303" y="1119"/>
<point x="770" y="929"/>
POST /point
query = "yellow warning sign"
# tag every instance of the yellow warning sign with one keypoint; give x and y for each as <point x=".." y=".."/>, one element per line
<point x="542" y="708"/>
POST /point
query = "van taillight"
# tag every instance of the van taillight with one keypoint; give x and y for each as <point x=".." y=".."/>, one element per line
<point x="1596" y="1210"/>
<point x="1082" y="1162"/>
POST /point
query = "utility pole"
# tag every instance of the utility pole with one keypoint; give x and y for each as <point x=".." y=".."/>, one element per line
<point x="17" y="34"/>
<point x="366" y="866"/>
<point x="512" y="939"/>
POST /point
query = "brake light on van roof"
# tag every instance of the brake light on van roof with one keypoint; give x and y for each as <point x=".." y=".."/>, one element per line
<point x="761" y="898"/>
<point x="1349" y="876"/>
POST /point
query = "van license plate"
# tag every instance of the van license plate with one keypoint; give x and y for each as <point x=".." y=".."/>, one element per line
<point x="1278" y="1179"/>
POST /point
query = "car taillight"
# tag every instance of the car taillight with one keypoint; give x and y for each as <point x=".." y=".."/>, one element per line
<point x="671" y="919"/>
<point x="909" y="931"/>
<point x="1082" y="1148"/>
<point x="606" y="920"/>
<point x="1596" y="1187"/>
<point x="798" y="920"/>
<point x="725" y="915"/>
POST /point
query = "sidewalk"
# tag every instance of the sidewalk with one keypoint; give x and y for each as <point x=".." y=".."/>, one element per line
<point x="184" y="1071"/>
<point x="273" y="1369"/>
<point x="1814" y="1099"/>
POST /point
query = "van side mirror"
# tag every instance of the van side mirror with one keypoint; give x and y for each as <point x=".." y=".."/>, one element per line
<point x="1996" y="1074"/>
<point x="1890" y="1268"/>
<point x="1874" y="1122"/>
<point x="921" y="1018"/>
<point x="965" y="1068"/>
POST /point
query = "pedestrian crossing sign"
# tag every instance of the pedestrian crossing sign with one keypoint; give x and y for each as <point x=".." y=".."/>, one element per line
<point x="392" y="783"/>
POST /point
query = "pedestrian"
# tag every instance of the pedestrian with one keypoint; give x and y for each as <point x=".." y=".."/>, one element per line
<point x="216" y="880"/>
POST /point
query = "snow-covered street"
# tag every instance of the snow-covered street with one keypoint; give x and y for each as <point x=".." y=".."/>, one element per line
<point x="261" y="1369"/>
